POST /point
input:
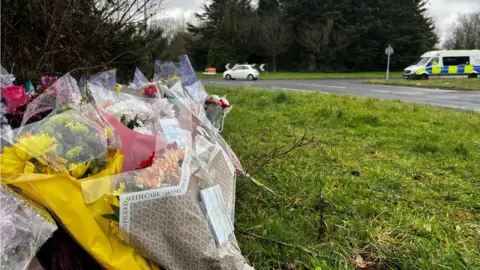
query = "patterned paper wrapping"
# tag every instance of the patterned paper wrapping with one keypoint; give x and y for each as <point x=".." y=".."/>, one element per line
<point x="24" y="228"/>
<point x="175" y="232"/>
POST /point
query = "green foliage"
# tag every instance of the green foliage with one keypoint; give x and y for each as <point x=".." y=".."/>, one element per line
<point x="282" y="97"/>
<point x="360" y="33"/>
<point x="414" y="204"/>
<point x="220" y="53"/>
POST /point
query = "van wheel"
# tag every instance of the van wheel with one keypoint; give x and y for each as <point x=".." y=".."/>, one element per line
<point x="424" y="77"/>
<point x="473" y="76"/>
<point x="228" y="77"/>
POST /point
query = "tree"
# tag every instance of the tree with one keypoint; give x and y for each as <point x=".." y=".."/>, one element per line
<point x="227" y="21"/>
<point x="268" y="7"/>
<point x="54" y="37"/>
<point x="276" y="37"/>
<point x="221" y="53"/>
<point x="315" y="38"/>
<point x="465" y="34"/>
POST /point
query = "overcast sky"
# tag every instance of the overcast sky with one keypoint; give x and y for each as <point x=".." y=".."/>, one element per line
<point x="444" y="12"/>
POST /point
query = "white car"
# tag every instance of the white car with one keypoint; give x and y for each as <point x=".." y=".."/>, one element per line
<point x="241" y="72"/>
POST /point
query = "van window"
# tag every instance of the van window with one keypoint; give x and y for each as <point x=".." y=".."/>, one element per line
<point x="456" y="60"/>
<point x="434" y="62"/>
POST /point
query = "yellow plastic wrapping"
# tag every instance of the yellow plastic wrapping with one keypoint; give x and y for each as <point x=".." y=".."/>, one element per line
<point x="63" y="195"/>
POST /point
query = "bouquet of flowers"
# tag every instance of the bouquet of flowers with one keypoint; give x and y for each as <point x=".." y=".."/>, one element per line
<point x="216" y="109"/>
<point x="50" y="158"/>
<point x="175" y="207"/>
<point x="24" y="228"/>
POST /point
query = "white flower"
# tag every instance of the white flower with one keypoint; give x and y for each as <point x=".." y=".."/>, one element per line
<point x="163" y="108"/>
<point x="131" y="109"/>
<point x="145" y="130"/>
<point x="6" y="80"/>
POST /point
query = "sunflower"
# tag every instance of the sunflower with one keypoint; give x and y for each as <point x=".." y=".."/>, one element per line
<point x="16" y="159"/>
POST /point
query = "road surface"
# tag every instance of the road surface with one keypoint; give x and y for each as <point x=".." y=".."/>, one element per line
<point x="442" y="98"/>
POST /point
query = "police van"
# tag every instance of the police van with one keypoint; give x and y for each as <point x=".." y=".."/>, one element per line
<point x="445" y="64"/>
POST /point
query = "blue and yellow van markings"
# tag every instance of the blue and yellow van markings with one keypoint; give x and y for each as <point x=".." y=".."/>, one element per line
<point x="453" y="70"/>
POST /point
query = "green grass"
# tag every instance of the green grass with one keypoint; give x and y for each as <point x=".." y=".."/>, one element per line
<point x="415" y="204"/>
<point x="457" y="84"/>
<point x="311" y="75"/>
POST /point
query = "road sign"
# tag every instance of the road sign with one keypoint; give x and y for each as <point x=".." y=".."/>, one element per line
<point x="388" y="51"/>
<point x="227" y="66"/>
<point x="261" y="67"/>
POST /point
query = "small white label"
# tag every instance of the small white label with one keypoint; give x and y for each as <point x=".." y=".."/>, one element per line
<point x="172" y="131"/>
<point x="216" y="211"/>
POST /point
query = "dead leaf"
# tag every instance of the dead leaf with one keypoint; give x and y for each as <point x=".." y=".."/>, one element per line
<point x="359" y="262"/>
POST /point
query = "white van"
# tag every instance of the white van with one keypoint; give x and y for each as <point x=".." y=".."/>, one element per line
<point x="445" y="64"/>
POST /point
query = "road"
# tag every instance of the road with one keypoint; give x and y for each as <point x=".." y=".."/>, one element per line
<point x="442" y="98"/>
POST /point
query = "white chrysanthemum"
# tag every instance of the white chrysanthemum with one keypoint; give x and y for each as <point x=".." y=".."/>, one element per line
<point x="3" y="110"/>
<point x="7" y="132"/>
<point x="145" y="130"/>
<point x="131" y="109"/>
<point x="163" y="108"/>
<point x="6" y="80"/>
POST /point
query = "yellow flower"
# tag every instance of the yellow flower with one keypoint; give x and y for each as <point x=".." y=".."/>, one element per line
<point x="108" y="133"/>
<point x="16" y="159"/>
<point x="118" y="88"/>
<point x="74" y="152"/>
<point x="114" y="227"/>
<point x="120" y="190"/>
<point x="36" y="145"/>
<point x="77" y="170"/>
<point x="174" y="77"/>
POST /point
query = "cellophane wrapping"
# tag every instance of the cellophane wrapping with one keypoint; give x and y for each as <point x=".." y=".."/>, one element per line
<point x="175" y="206"/>
<point x="49" y="159"/>
<point x="24" y="228"/>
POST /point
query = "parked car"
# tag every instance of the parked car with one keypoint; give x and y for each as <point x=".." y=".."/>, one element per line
<point x="241" y="72"/>
<point x="445" y="64"/>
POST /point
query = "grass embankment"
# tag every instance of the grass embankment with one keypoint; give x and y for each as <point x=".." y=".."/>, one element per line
<point x="457" y="84"/>
<point x="397" y="185"/>
<point x="311" y="75"/>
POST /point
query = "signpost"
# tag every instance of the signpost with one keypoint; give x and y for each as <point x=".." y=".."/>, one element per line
<point x="388" y="51"/>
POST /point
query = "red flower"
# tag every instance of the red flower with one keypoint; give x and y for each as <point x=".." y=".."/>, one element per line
<point x="146" y="163"/>
<point x="150" y="91"/>
<point x="15" y="96"/>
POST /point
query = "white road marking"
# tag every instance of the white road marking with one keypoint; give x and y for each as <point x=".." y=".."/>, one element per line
<point x="408" y="93"/>
<point x="380" y="91"/>
<point x="319" y="85"/>
<point x="290" y="89"/>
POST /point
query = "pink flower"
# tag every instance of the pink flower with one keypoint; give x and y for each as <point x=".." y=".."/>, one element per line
<point x="224" y="103"/>
<point x="150" y="91"/>
<point x="163" y="172"/>
<point x="15" y="96"/>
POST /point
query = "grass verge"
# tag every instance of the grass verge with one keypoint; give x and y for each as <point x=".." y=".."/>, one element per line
<point x="457" y="84"/>
<point x="312" y="75"/>
<point x="384" y="185"/>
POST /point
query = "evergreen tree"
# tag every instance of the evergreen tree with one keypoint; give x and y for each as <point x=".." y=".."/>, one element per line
<point x="266" y="7"/>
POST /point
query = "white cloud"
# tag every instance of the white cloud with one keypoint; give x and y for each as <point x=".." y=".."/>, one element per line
<point x="445" y="12"/>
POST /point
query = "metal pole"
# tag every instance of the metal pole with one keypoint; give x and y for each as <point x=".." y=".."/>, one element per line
<point x="388" y="61"/>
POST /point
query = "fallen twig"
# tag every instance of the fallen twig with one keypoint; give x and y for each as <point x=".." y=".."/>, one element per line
<point x="277" y="242"/>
